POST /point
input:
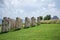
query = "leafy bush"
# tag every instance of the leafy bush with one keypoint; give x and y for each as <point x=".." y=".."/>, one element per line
<point x="47" y="17"/>
<point x="58" y="21"/>
<point x="50" y="22"/>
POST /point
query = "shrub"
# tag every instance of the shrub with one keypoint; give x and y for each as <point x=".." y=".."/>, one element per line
<point x="58" y="21"/>
<point x="50" y="22"/>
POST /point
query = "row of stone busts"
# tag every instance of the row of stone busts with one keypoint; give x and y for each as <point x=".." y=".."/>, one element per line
<point x="11" y="24"/>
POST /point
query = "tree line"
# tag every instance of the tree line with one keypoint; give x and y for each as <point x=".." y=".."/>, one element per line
<point x="48" y="17"/>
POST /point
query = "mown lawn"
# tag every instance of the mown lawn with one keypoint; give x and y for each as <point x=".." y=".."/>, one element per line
<point x="42" y="32"/>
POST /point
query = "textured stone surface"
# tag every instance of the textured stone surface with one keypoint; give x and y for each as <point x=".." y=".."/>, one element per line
<point x="27" y="22"/>
<point x="12" y="24"/>
<point x="5" y="25"/>
<point x="18" y="23"/>
<point x="33" y="21"/>
<point x="38" y="20"/>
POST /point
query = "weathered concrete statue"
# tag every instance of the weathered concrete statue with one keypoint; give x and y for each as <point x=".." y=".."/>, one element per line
<point x="27" y="22"/>
<point x="33" y="21"/>
<point x="12" y="24"/>
<point x="18" y="23"/>
<point x="5" y="25"/>
<point x="38" y="20"/>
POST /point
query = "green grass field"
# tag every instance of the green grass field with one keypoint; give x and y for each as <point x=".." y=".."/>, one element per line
<point x="0" y="28"/>
<point x="42" y="32"/>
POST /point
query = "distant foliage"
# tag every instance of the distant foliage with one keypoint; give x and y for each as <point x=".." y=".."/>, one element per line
<point x="41" y="17"/>
<point x="55" y="17"/>
<point x="0" y="24"/>
<point x="47" y="17"/>
<point x="50" y="22"/>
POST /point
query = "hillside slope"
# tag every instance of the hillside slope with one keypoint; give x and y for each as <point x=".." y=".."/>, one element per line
<point x="42" y="32"/>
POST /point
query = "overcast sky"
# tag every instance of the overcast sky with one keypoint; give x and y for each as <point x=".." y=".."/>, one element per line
<point x="29" y="8"/>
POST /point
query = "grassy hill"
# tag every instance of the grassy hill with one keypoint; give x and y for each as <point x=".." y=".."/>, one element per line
<point x="42" y="32"/>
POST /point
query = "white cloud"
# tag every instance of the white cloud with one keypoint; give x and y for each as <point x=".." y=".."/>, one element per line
<point x="51" y="5"/>
<point x="38" y="11"/>
<point x="34" y="1"/>
<point x="22" y="11"/>
<point x="42" y="0"/>
<point x="23" y="8"/>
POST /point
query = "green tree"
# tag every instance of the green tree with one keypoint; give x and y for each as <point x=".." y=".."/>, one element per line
<point x="47" y="17"/>
<point x="41" y="17"/>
